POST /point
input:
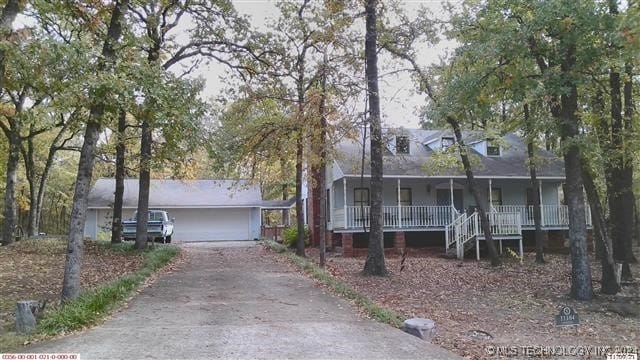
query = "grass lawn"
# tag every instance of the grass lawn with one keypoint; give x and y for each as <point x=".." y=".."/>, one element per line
<point x="34" y="269"/>
<point x="476" y="306"/>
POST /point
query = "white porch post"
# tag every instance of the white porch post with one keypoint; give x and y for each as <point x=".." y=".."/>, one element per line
<point x="453" y="216"/>
<point x="490" y="196"/>
<point x="399" y="206"/>
<point x="521" y="250"/>
<point x="541" y="207"/>
<point x="344" y="200"/>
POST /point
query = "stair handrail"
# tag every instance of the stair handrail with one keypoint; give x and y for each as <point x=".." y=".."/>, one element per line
<point x="449" y="231"/>
<point x="465" y="230"/>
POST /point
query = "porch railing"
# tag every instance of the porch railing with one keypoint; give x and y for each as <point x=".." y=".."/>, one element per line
<point x="552" y="215"/>
<point x="357" y="217"/>
<point x="505" y="223"/>
<point x="440" y="216"/>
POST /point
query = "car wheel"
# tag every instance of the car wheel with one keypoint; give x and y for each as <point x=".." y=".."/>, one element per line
<point x="168" y="238"/>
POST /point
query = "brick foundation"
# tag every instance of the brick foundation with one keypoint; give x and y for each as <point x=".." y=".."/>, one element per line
<point x="347" y="245"/>
<point x="399" y="245"/>
<point x="362" y="252"/>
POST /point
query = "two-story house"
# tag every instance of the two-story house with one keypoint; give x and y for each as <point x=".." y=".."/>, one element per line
<point x="426" y="196"/>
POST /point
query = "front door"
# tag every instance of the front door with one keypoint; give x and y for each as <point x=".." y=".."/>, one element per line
<point x="443" y="198"/>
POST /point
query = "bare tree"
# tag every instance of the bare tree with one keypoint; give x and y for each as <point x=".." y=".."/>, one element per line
<point x="375" y="263"/>
<point x="75" y="247"/>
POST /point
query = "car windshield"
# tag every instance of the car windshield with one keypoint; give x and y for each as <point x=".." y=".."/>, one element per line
<point x="153" y="216"/>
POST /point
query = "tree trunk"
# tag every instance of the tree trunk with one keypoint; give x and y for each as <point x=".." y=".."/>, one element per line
<point x="581" y="287"/>
<point x="9" y="14"/>
<point x="285" y="191"/>
<point x="75" y="246"/>
<point x="299" y="207"/>
<point x="618" y="216"/>
<point x="322" y="168"/>
<point x="30" y="173"/>
<point x="44" y="178"/>
<point x="146" y="142"/>
<point x="143" y="187"/>
<point x="537" y="213"/>
<point x="10" y="187"/>
<point x="315" y="190"/>
<point x="609" y="283"/>
<point x="375" y="263"/>
<point x="116" y="224"/>
<point x="480" y="200"/>
<point x="627" y="171"/>
<point x="535" y="186"/>
<point x="620" y="181"/>
<point x="71" y="282"/>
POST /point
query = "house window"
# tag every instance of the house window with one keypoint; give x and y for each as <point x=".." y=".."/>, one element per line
<point x="446" y="142"/>
<point x="496" y="196"/>
<point x="402" y="145"/>
<point x="361" y="197"/>
<point x="493" y="149"/>
<point x="328" y="206"/>
<point x="405" y="196"/>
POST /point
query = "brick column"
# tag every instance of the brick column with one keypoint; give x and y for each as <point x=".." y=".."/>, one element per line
<point x="399" y="242"/>
<point x="347" y="244"/>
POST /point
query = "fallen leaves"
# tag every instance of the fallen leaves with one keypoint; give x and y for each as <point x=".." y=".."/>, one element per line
<point x="515" y="303"/>
<point x="34" y="270"/>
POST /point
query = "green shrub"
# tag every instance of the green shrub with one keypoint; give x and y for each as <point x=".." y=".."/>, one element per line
<point x="103" y="235"/>
<point x="290" y="236"/>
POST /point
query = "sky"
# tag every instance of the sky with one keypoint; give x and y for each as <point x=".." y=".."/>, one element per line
<point x="399" y="102"/>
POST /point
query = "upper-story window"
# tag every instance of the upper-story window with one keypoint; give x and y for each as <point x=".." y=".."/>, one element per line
<point x="446" y="142"/>
<point x="493" y="149"/>
<point x="402" y="145"/>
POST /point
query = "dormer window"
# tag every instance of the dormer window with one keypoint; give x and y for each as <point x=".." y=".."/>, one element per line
<point x="446" y="142"/>
<point x="493" y="149"/>
<point x="402" y="145"/>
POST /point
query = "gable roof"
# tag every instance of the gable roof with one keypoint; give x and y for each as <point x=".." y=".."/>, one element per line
<point x="420" y="162"/>
<point x="184" y="194"/>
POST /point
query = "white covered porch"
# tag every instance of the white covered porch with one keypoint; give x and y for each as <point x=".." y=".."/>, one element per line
<point x="425" y="218"/>
<point x="430" y="204"/>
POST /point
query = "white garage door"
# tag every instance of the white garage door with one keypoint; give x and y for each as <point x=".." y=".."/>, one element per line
<point x="211" y="224"/>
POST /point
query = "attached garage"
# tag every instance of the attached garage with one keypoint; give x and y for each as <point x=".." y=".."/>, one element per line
<point x="214" y="224"/>
<point x="204" y="210"/>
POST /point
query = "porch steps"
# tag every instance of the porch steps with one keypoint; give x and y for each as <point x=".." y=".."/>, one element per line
<point x="465" y="232"/>
<point x="451" y="252"/>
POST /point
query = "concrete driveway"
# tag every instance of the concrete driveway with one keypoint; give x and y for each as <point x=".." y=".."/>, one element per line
<point x="229" y="301"/>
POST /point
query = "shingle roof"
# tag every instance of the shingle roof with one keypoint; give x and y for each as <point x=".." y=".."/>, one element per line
<point x="421" y="161"/>
<point x="183" y="194"/>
